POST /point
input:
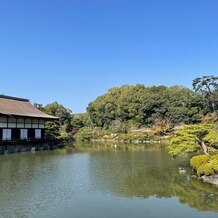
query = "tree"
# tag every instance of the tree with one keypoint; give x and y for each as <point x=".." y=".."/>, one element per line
<point x="60" y="111"/>
<point x="52" y="130"/>
<point x="208" y="87"/>
<point x="39" y="107"/>
<point x="144" y="105"/>
<point x="63" y="125"/>
<point x="194" y="138"/>
<point x="80" y="120"/>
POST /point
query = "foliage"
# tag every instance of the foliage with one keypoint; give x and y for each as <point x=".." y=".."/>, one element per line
<point x="190" y="138"/>
<point x="84" y="134"/>
<point x="205" y="164"/>
<point x="208" y="169"/>
<point x="212" y="137"/>
<point x="80" y="120"/>
<point x="198" y="160"/>
<point x="52" y="130"/>
<point x="144" y="105"/>
<point x="117" y="126"/>
<point x="208" y="87"/>
<point x="60" y="111"/>
<point x="88" y="134"/>
<point x="159" y="108"/>
<point x="60" y="128"/>
<point x="63" y="113"/>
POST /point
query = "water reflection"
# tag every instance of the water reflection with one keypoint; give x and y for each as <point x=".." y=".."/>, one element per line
<point x="109" y="180"/>
<point x="151" y="173"/>
<point x="32" y="183"/>
<point x="196" y="194"/>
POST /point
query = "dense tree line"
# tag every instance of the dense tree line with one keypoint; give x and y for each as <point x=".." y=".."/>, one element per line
<point x="136" y="106"/>
<point x="157" y="108"/>
<point x="61" y="127"/>
<point x="142" y="106"/>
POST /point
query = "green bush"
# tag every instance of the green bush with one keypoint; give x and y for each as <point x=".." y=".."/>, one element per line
<point x="205" y="169"/>
<point x="215" y="156"/>
<point x="205" y="164"/>
<point x="198" y="160"/>
<point x="84" y="134"/>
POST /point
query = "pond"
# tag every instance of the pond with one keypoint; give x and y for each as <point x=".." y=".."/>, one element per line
<point x="102" y="183"/>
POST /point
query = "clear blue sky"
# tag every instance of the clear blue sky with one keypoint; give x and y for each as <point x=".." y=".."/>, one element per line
<point x="72" y="51"/>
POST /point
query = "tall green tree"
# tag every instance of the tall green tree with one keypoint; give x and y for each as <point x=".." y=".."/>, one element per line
<point x="60" y="111"/>
<point x="208" y="87"/>
<point x="63" y="125"/>
<point x="144" y="105"/>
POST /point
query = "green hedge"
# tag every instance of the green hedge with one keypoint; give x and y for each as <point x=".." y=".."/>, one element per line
<point x="205" y="164"/>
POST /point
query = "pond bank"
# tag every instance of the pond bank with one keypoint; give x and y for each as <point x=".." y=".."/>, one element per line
<point x="213" y="179"/>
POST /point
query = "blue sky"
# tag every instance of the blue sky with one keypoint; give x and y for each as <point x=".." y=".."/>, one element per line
<point x="72" y="51"/>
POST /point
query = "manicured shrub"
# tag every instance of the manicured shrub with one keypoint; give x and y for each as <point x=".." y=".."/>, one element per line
<point x="205" y="169"/>
<point x="205" y="164"/>
<point x="198" y="160"/>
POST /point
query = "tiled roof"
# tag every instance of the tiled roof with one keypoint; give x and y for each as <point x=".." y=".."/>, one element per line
<point x="13" y="106"/>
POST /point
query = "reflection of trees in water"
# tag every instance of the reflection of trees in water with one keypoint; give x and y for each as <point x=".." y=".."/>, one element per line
<point x="196" y="194"/>
<point x="149" y="183"/>
<point x="139" y="173"/>
<point x="150" y="173"/>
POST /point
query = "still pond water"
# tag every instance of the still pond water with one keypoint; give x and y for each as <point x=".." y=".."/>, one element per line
<point x="115" y="183"/>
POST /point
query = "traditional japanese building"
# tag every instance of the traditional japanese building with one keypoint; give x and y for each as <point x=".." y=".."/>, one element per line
<point x="21" y="121"/>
